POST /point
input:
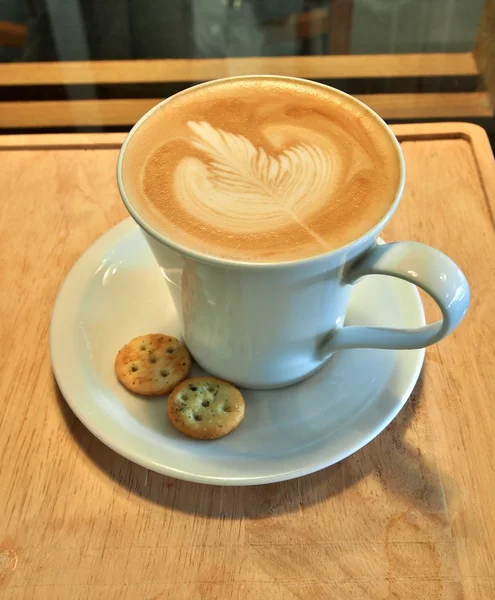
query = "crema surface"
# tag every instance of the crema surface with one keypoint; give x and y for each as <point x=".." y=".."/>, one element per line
<point x="261" y="169"/>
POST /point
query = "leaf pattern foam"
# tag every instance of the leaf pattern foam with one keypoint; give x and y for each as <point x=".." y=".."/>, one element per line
<point x="242" y="188"/>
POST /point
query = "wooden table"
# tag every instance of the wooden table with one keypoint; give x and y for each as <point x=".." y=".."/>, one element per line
<point x="411" y="515"/>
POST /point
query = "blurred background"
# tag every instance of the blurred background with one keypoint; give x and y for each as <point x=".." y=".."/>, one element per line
<point x="98" y="65"/>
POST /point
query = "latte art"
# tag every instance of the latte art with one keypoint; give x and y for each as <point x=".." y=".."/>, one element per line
<point x="242" y="188"/>
<point x="261" y="169"/>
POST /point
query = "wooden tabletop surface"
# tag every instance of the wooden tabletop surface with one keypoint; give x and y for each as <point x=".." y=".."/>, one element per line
<point x="411" y="515"/>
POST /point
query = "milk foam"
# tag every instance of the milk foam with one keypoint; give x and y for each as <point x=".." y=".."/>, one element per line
<point x="261" y="169"/>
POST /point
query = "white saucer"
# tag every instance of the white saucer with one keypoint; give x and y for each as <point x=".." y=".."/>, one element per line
<point x="115" y="292"/>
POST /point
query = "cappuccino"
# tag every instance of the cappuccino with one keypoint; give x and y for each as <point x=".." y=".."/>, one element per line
<point x="261" y="169"/>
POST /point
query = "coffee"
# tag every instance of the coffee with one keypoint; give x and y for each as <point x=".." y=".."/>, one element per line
<point x="262" y="169"/>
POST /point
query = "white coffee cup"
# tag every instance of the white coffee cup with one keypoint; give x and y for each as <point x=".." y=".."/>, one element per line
<point x="273" y="324"/>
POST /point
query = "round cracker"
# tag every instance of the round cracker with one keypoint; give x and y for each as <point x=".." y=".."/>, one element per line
<point x="152" y="364"/>
<point x="205" y="408"/>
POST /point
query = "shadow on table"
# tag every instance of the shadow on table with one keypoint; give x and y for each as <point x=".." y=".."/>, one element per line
<point x="399" y="466"/>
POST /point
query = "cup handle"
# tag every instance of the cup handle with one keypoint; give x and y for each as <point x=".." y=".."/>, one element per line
<point x="421" y="265"/>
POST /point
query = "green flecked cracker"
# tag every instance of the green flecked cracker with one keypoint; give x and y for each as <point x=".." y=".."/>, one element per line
<point x="205" y="407"/>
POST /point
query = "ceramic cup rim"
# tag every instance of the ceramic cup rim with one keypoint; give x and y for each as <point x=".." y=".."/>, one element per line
<point x="232" y="263"/>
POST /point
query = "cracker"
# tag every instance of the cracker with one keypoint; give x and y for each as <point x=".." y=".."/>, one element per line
<point x="152" y="364"/>
<point x="205" y="408"/>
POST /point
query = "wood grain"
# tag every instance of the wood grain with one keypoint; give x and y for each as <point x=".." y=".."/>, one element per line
<point x="125" y="112"/>
<point x="410" y="516"/>
<point x="188" y="70"/>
